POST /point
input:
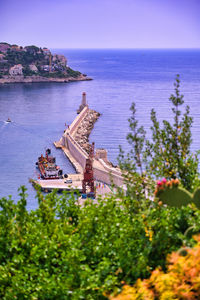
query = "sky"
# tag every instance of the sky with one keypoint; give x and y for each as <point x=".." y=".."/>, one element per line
<point x="101" y="23"/>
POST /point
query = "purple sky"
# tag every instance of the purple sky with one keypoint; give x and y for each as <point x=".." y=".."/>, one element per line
<point x="101" y="23"/>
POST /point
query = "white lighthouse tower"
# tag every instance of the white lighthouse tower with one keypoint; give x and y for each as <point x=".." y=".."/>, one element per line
<point x="83" y="103"/>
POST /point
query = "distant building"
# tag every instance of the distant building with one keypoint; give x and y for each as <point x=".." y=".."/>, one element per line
<point x="46" y="51"/>
<point x="45" y="68"/>
<point x="16" y="70"/>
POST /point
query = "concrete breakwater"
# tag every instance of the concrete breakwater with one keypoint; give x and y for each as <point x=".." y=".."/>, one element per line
<point x="75" y="145"/>
<point x="84" y="129"/>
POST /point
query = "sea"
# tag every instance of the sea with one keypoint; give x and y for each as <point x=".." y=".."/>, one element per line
<point x="40" y="111"/>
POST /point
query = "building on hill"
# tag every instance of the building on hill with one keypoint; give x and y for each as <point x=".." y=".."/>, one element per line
<point x="46" y="51"/>
<point x="45" y="68"/>
<point x="16" y="70"/>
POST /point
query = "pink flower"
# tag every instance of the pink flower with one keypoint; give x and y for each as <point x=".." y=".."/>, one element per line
<point x="159" y="183"/>
<point x="164" y="180"/>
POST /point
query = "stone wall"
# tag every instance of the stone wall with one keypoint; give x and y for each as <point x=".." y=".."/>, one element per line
<point x="69" y="142"/>
<point x="79" y="154"/>
<point x="108" y="174"/>
<point x="103" y="171"/>
<point x="84" y="129"/>
<point x="77" y="121"/>
<point x="107" y="177"/>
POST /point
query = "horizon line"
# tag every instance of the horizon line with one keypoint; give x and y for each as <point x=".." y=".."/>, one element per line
<point x="95" y="48"/>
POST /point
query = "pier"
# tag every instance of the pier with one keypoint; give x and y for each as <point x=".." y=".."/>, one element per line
<point x="76" y="185"/>
<point x="75" y="145"/>
<point x="73" y="181"/>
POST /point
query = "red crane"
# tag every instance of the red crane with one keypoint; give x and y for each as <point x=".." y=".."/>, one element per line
<point x="88" y="175"/>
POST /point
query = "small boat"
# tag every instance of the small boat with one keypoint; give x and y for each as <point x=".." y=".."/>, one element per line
<point x="8" y="120"/>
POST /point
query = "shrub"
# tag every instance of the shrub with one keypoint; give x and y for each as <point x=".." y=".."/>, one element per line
<point x="62" y="250"/>
<point x="180" y="281"/>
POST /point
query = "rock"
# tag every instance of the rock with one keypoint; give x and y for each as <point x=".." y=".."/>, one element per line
<point x="61" y="59"/>
<point x="85" y="128"/>
<point x="33" y="68"/>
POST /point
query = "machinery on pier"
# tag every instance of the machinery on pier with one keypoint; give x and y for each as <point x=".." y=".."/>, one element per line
<point x="88" y="176"/>
<point x="48" y="168"/>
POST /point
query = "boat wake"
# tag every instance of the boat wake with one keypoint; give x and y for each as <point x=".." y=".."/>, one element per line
<point x="4" y="123"/>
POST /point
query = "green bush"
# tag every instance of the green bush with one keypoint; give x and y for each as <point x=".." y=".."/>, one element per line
<point x="63" y="251"/>
<point x="72" y="73"/>
<point x="27" y="71"/>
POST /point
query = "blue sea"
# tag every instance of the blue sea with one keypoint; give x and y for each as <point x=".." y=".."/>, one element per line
<point x="39" y="111"/>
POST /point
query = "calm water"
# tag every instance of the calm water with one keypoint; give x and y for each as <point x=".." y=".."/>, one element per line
<point x="39" y="111"/>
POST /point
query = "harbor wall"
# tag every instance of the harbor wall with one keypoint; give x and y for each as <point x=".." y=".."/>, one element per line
<point x="69" y="142"/>
<point x="107" y="177"/>
<point x="75" y="150"/>
<point x="75" y="124"/>
<point x="102" y="171"/>
<point x="108" y="174"/>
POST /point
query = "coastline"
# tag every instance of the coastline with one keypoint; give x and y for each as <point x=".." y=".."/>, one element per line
<point x="35" y="78"/>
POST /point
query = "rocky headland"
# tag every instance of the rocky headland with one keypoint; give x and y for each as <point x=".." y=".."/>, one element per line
<point x="33" y="64"/>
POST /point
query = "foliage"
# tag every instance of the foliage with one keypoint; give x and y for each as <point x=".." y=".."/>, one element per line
<point x="181" y="281"/>
<point x="27" y="71"/>
<point x="139" y="183"/>
<point x="168" y="153"/>
<point x="32" y="49"/>
<point x="64" y="251"/>
<point x="55" y="74"/>
<point x="72" y="73"/>
<point x="15" y="57"/>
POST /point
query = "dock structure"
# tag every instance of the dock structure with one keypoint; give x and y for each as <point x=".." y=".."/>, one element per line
<point x="72" y="182"/>
<point x="65" y="185"/>
<point x="75" y="145"/>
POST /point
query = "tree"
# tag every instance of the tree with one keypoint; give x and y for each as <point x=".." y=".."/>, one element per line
<point x="134" y="164"/>
<point x="168" y="153"/>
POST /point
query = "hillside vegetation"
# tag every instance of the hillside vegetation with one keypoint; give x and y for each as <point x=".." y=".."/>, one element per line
<point x="31" y="60"/>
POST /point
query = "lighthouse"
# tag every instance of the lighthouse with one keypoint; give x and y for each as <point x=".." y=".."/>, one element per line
<point x="83" y="103"/>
